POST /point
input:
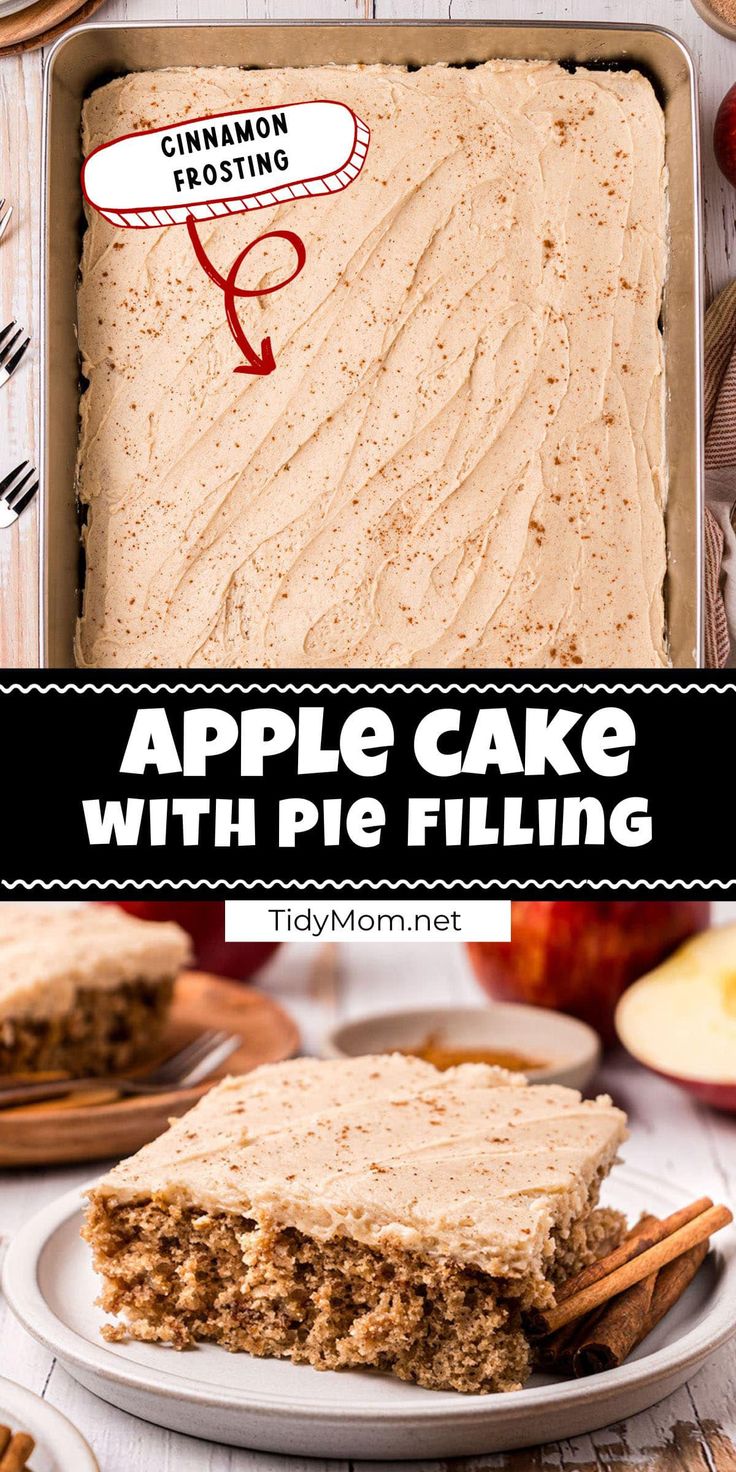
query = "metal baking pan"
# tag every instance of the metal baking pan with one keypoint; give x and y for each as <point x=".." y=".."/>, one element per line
<point x="93" y="54"/>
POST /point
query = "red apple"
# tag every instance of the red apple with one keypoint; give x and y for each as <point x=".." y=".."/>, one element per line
<point x="578" y="956"/>
<point x="724" y="136"/>
<point x="680" y="1019"/>
<point x="204" y="920"/>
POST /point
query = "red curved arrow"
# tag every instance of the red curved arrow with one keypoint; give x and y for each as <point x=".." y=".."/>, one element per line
<point x="261" y="363"/>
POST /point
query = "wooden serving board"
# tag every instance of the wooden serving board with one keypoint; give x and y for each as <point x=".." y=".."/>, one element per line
<point x="105" y="1125"/>
<point x="41" y="23"/>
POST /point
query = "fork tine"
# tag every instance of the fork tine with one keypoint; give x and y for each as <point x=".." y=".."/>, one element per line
<point x="172" y="1068"/>
<point x="5" y="221"/>
<point x="11" y="477"/>
<point x="15" y="360"/>
<point x="203" y="1045"/>
<point x="24" y="501"/>
<point x="212" y="1060"/>
<point x="7" y="347"/>
<point x="176" y="1068"/>
<point x="18" y="489"/>
<point x="6" y="330"/>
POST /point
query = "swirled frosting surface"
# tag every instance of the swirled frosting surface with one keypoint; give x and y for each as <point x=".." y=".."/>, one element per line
<point x="459" y="460"/>
<point x="471" y="1163"/>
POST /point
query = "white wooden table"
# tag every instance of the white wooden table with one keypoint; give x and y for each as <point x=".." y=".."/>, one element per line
<point x="693" y="1431"/>
<point x="20" y="143"/>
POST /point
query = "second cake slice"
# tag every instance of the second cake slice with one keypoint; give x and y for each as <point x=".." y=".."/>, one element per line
<point x="85" y="989"/>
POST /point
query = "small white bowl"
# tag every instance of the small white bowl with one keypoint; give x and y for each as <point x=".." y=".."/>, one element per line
<point x="569" y="1051"/>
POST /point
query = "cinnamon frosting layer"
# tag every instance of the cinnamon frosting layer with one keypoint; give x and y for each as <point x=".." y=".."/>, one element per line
<point x="471" y="1163"/>
<point x="459" y="460"/>
<point x="50" y="952"/>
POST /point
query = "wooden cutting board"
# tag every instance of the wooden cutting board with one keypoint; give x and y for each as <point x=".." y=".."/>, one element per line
<point x="105" y="1125"/>
<point x="41" y="23"/>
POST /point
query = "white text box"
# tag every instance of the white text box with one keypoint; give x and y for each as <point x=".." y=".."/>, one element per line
<point x="368" y="920"/>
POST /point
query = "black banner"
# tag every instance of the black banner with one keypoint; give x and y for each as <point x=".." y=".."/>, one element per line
<point x="442" y="782"/>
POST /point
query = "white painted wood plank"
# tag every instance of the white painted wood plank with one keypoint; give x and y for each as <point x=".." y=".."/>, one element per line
<point x="131" y="10"/>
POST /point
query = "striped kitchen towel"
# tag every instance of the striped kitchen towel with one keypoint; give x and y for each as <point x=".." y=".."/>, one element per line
<point x="720" y="480"/>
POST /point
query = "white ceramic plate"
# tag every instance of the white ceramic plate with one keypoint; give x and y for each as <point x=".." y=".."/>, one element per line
<point x="59" y="1446"/>
<point x="568" y="1050"/>
<point x="272" y="1405"/>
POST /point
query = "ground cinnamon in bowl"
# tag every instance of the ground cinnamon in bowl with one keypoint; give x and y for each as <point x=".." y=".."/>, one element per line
<point x="720" y="14"/>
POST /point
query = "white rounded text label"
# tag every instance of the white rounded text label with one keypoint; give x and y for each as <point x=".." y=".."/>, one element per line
<point x="220" y="165"/>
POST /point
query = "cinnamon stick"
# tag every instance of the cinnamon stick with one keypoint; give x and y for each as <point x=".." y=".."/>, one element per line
<point x="558" y="1352"/>
<point x="647" y="1233"/>
<point x="671" y="1284"/>
<point x="608" y="1342"/>
<point x="644" y="1234"/>
<point x="16" y="1455"/>
<point x="635" y="1268"/>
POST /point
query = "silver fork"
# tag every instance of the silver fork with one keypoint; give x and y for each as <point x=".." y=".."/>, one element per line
<point x="12" y="349"/>
<point x="16" y="490"/>
<point x="185" y="1069"/>
<point x="4" y="217"/>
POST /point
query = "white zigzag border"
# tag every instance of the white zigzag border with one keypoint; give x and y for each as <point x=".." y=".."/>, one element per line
<point x="310" y="884"/>
<point x="364" y="687"/>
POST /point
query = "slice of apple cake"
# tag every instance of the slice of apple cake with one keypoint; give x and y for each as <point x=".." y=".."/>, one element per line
<point x="83" y="988"/>
<point x="367" y="1213"/>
